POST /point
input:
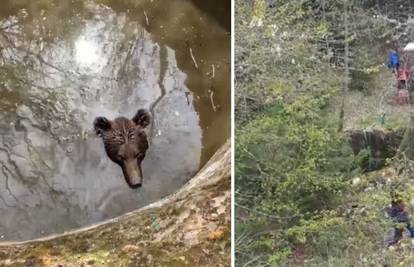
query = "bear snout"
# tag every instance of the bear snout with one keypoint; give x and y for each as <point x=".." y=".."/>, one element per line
<point x="132" y="173"/>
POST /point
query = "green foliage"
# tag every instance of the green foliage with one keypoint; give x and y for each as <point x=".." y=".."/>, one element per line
<point x="295" y="150"/>
<point x="327" y="235"/>
<point x="279" y="257"/>
<point x="293" y="168"/>
<point x="277" y="61"/>
<point x="322" y="30"/>
<point x="362" y="159"/>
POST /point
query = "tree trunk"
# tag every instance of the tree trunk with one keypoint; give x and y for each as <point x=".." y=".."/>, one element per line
<point x="346" y="80"/>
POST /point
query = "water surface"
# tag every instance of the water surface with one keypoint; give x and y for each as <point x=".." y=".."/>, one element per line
<point x="63" y="65"/>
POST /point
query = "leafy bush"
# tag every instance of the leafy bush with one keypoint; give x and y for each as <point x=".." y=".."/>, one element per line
<point x="297" y="150"/>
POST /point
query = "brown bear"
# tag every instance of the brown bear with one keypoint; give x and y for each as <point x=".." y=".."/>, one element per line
<point x="125" y="143"/>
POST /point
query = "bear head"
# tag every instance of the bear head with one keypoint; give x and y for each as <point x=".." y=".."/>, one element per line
<point x="125" y="143"/>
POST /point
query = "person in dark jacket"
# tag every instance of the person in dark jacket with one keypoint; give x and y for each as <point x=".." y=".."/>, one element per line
<point x="394" y="61"/>
<point x="401" y="218"/>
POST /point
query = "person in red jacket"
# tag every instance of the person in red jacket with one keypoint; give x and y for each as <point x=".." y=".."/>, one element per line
<point x="403" y="76"/>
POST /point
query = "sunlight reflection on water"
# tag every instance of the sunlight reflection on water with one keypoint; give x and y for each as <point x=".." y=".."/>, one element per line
<point x="87" y="54"/>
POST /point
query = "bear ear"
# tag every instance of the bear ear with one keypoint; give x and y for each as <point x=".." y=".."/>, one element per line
<point x="101" y="124"/>
<point x="142" y="118"/>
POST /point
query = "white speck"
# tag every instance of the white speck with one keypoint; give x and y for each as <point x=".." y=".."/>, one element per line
<point x="159" y="133"/>
<point x="88" y="54"/>
<point x="278" y="50"/>
<point x="177" y="113"/>
<point x="356" y="181"/>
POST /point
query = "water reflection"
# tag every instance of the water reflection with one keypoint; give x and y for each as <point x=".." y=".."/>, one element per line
<point x="54" y="172"/>
<point x="87" y="54"/>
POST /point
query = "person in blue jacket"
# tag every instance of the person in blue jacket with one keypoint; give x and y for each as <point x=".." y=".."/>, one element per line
<point x="398" y="213"/>
<point x="394" y="61"/>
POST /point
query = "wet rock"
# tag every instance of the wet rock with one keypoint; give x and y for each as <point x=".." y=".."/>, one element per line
<point x="382" y="144"/>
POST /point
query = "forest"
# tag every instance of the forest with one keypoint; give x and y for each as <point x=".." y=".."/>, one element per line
<point x="322" y="145"/>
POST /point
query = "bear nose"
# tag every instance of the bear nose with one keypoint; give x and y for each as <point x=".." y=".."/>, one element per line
<point x="138" y="185"/>
<point x="136" y="179"/>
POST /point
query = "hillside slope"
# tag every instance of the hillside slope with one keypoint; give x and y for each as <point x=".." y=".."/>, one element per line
<point x="301" y="198"/>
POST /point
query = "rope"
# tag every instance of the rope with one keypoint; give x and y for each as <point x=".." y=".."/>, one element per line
<point x="368" y="147"/>
<point x="382" y="119"/>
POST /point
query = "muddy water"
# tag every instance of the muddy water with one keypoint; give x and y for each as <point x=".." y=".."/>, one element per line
<point x="63" y="65"/>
